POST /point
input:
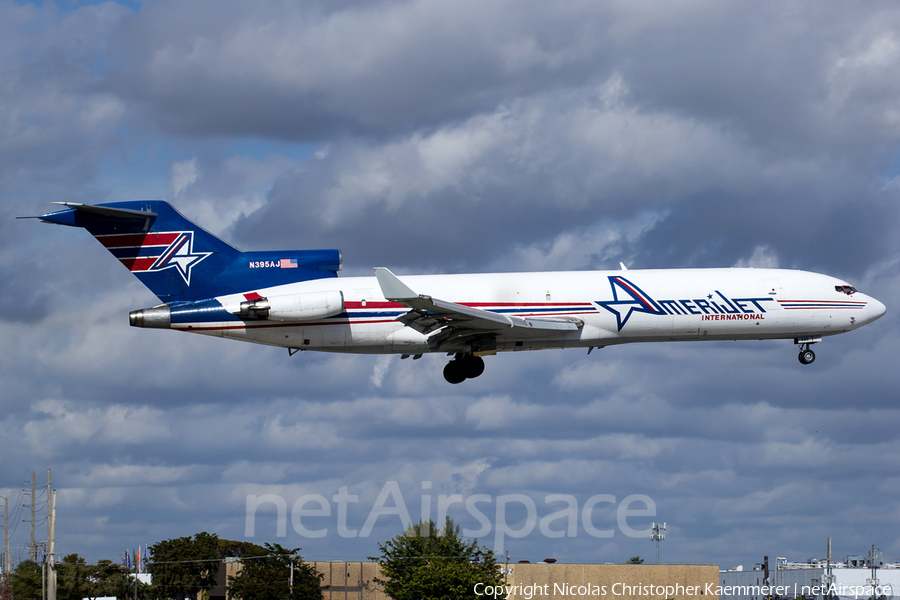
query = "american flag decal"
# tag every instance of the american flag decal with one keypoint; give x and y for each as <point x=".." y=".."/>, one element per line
<point x="288" y="263"/>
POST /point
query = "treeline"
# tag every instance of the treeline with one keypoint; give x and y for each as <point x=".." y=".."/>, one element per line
<point x="423" y="562"/>
<point x="181" y="568"/>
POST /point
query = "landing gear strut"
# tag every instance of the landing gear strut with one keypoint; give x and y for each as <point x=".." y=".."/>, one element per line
<point x="465" y="366"/>
<point x="806" y="355"/>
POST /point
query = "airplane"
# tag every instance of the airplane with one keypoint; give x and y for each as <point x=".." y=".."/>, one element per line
<point x="295" y="299"/>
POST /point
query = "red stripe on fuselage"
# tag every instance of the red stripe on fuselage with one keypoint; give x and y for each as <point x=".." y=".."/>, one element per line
<point x="855" y="302"/>
<point x="372" y="305"/>
<point x="368" y="304"/>
<point x="556" y="314"/>
<point x="539" y="304"/>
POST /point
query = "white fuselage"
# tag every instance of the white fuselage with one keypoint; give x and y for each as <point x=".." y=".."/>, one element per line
<point x="615" y="307"/>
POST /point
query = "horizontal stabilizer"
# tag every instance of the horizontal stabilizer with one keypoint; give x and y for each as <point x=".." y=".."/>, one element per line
<point x="81" y="215"/>
<point x="113" y="213"/>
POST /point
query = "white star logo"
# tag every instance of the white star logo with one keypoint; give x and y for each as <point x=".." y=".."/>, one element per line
<point x="637" y="301"/>
<point x="180" y="256"/>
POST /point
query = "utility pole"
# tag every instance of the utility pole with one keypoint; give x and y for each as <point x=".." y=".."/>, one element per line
<point x="6" y="561"/>
<point x="49" y="513"/>
<point x="51" y="539"/>
<point x="33" y="554"/>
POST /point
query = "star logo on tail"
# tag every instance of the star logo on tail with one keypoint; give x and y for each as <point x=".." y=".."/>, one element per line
<point x="180" y="256"/>
<point x="627" y="300"/>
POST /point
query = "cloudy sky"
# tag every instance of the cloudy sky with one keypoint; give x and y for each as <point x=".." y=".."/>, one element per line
<point x="455" y="137"/>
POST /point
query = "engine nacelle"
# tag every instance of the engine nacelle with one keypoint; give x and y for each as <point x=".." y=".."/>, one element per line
<point x="295" y="307"/>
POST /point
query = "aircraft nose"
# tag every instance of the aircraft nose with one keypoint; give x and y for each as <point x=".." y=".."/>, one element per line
<point x="875" y="309"/>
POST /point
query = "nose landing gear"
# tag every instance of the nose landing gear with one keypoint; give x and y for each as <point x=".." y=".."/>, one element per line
<point x="463" y="367"/>
<point x="806" y="355"/>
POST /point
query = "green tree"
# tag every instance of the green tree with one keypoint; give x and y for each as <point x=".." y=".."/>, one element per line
<point x="239" y="549"/>
<point x="184" y="567"/>
<point x="116" y="580"/>
<point x="5" y="592"/>
<point x="75" y="579"/>
<point x="25" y="581"/>
<point x="426" y="563"/>
<point x="635" y="560"/>
<point x="268" y="577"/>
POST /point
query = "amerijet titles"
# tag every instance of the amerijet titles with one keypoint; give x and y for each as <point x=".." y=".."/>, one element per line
<point x="716" y="306"/>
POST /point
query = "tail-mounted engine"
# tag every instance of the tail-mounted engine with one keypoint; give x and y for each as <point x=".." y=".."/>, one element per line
<point x="295" y="307"/>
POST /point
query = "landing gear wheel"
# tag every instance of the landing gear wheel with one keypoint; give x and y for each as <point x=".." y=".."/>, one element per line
<point x="806" y="356"/>
<point x="474" y="366"/>
<point x="463" y="367"/>
<point x="454" y="372"/>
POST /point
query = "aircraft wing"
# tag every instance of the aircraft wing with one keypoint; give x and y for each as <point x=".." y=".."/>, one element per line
<point x="429" y="314"/>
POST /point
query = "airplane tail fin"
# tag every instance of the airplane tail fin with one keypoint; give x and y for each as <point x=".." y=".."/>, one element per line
<point x="179" y="261"/>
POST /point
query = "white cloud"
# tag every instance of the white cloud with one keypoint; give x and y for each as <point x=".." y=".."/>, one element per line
<point x="762" y="257"/>
<point x="184" y="174"/>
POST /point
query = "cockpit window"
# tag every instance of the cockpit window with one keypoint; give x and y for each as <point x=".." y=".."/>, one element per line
<point x="847" y="289"/>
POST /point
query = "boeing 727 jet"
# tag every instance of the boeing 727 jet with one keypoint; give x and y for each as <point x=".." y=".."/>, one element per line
<point x="294" y="299"/>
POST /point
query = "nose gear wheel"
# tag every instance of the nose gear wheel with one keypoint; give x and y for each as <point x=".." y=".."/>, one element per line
<point x="806" y="356"/>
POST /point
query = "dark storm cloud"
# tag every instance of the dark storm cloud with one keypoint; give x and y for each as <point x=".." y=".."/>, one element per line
<point x="464" y="195"/>
<point x="525" y="172"/>
<point x="811" y="79"/>
<point x="786" y="93"/>
<point x="840" y="231"/>
<point x="306" y="72"/>
<point x="778" y="76"/>
<point x="54" y="120"/>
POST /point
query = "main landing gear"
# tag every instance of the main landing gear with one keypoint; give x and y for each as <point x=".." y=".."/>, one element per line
<point x="806" y="355"/>
<point x="464" y="366"/>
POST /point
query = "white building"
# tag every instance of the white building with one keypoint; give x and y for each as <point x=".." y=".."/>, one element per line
<point x="851" y="578"/>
